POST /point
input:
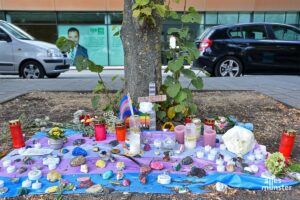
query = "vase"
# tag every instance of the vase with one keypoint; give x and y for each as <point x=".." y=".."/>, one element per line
<point x="56" y="144"/>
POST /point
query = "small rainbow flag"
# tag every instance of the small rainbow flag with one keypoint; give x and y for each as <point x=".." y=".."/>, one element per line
<point x="125" y="108"/>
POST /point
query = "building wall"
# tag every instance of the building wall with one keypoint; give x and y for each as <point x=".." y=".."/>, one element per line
<point x="117" y="5"/>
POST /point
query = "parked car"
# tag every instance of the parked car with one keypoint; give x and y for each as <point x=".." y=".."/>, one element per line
<point x="255" y="48"/>
<point x="21" y="54"/>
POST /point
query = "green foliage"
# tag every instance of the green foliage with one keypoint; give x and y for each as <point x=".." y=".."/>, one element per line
<point x="64" y="44"/>
<point x="276" y="164"/>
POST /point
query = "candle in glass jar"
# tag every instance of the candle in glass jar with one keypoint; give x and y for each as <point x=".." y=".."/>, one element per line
<point x="100" y="132"/>
<point x="120" y="130"/>
<point x="209" y="121"/>
<point x="134" y="124"/>
<point x="16" y="133"/>
<point x="190" y="137"/>
<point x="197" y="123"/>
<point x="134" y="143"/>
<point x="179" y="131"/>
<point x="209" y="137"/>
<point x="287" y="143"/>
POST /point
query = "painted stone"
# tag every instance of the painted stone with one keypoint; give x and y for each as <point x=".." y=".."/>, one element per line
<point x="28" y="160"/>
<point x="15" y="180"/>
<point x="126" y="182"/>
<point x="21" y="170"/>
<point x="112" y="159"/>
<point x="84" y="168"/>
<point x="51" y="189"/>
<point x="3" y="190"/>
<point x="196" y="171"/>
<point x="107" y="175"/>
<point x="83" y="179"/>
<point x="79" y="142"/>
<point x="166" y="158"/>
<point x="114" y="143"/>
<point x="120" y="175"/>
<point x="100" y="163"/>
<point x="115" y="151"/>
<point x="94" y="189"/>
<point x="104" y="154"/>
<point x="86" y="184"/>
<point x="145" y="169"/>
<point x="120" y="165"/>
<point x="78" y="151"/>
<point x="143" y="178"/>
<point x="157" y="153"/>
<point x="157" y="165"/>
<point x="187" y="160"/>
<point x="77" y="161"/>
<point x="53" y="176"/>
<point x="147" y="147"/>
<point x="176" y="166"/>
<point x="96" y="149"/>
<point x="64" y="151"/>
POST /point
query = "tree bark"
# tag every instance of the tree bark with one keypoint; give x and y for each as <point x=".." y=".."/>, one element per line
<point x="142" y="52"/>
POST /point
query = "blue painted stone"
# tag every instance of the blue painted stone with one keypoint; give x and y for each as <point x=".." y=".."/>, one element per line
<point x="107" y="175"/>
<point x="79" y="152"/>
<point x="64" y="151"/>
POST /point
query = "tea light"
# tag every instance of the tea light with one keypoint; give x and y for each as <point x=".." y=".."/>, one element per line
<point x="227" y="158"/>
<point x="211" y="157"/>
<point x="157" y="143"/>
<point x="207" y="148"/>
<point x="200" y="154"/>
<point x="11" y="169"/>
<point x="26" y="183"/>
<point x="254" y="168"/>
<point x="38" y="145"/>
<point x="219" y="161"/>
<point x="251" y="157"/>
<point x="6" y="163"/>
<point x="222" y="147"/>
<point x="1" y="183"/>
<point x="220" y="168"/>
<point x="37" y="185"/>
<point x="34" y="175"/>
<point x="164" y="179"/>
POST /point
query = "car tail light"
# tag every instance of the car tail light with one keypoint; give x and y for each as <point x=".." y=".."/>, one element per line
<point x="205" y="44"/>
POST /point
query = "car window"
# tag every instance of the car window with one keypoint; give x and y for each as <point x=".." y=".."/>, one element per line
<point x="235" y="33"/>
<point x="256" y="32"/>
<point x="1" y="31"/>
<point x="285" y="33"/>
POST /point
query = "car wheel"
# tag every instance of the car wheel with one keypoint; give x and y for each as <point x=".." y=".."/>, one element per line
<point x="32" y="70"/>
<point x="53" y="75"/>
<point x="229" y="66"/>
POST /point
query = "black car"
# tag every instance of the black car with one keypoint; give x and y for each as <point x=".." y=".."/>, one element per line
<point x="256" y="48"/>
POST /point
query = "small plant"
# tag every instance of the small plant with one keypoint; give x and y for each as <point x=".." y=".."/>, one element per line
<point x="99" y="120"/>
<point x="276" y="164"/>
<point x="56" y="133"/>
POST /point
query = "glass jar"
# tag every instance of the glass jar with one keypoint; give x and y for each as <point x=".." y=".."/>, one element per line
<point x="190" y="137"/>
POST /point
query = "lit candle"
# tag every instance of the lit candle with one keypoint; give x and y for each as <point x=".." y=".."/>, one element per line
<point x="190" y="137"/>
<point x="6" y="163"/>
<point x="37" y="185"/>
<point x="26" y="183"/>
<point x="179" y="131"/>
<point x="164" y="179"/>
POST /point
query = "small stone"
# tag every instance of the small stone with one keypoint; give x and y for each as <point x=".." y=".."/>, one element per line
<point x="84" y="168"/>
<point x="77" y="161"/>
<point x="120" y="165"/>
<point x="120" y="175"/>
<point x="145" y="169"/>
<point x="107" y="175"/>
<point x="51" y="189"/>
<point x="182" y="190"/>
<point x="157" y="165"/>
<point x="147" y="147"/>
<point x="157" y="153"/>
<point x="83" y="179"/>
<point x="114" y="143"/>
<point x="64" y="151"/>
<point x="86" y="184"/>
<point x="137" y="156"/>
<point x="143" y="178"/>
<point x="96" y="149"/>
<point x="166" y="158"/>
<point x="53" y="176"/>
<point x="187" y="160"/>
<point x="230" y="168"/>
<point x="100" y="163"/>
<point x="104" y="154"/>
<point x="28" y="160"/>
<point x="94" y="189"/>
<point x="176" y="166"/>
<point x="196" y="171"/>
<point x="79" y="152"/>
<point x="115" y="151"/>
<point x="15" y="180"/>
<point x="78" y="142"/>
<point x="3" y="190"/>
<point x="112" y="159"/>
<point x="21" y="170"/>
<point x="126" y="182"/>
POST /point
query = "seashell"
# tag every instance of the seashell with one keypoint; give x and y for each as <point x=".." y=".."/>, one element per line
<point x="126" y="182"/>
<point x="230" y="168"/>
<point x="96" y="149"/>
<point x="84" y="168"/>
<point x="100" y="163"/>
<point x="115" y="151"/>
<point x="83" y="179"/>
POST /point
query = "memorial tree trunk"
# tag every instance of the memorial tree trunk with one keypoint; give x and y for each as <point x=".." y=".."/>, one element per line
<point x="142" y="51"/>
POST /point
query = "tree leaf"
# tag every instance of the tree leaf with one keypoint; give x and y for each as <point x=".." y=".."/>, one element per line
<point x="173" y="15"/>
<point x="179" y="108"/>
<point x="189" y="94"/>
<point x="193" y="17"/>
<point x="142" y="2"/>
<point x="171" y="113"/>
<point x="193" y="108"/>
<point x="136" y="13"/>
<point x="198" y="83"/>
<point x="181" y="96"/>
<point x="147" y="11"/>
<point x="188" y="73"/>
<point x="64" y="44"/>
<point x="169" y="81"/>
<point x="134" y="6"/>
<point x="176" y="65"/>
<point x="99" y="87"/>
<point x="161" y="10"/>
<point x="173" y="90"/>
<point x="156" y="107"/>
<point x="96" y="68"/>
<point x="95" y="102"/>
<point x="161" y="114"/>
<point x="173" y="30"/>
<point x="114" y="77"/>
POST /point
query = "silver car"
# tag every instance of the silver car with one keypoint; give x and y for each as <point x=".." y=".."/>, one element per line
<point x="21" y="54"/>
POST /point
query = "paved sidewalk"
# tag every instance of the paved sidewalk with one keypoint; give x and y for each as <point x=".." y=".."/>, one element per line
<point x="282" y="88"/>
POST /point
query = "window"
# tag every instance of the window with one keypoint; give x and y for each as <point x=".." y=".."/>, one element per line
<point x="291" y="18"/>
<point x="278" y="17"/>
<point x="228" y="18"/>
<point x="285" y="33"/>
<point x="2" y="32"/>
<point x="31" y="17"/>
<point x="81" y="18"/>
<point x="254" y="32"/>
<point x="211" y="18"/>
<point x="258" y="17"/>
<point x="235" y="33"/>
<point x="245" y="18"/>
<point x="2" y="17"/>
<point x="116" y="18"/>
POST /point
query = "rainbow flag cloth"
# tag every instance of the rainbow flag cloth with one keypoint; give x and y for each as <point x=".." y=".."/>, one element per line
<point x="125" y="108"/>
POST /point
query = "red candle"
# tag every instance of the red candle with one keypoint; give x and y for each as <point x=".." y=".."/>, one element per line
<point x="188" y="119"/>
<point x="16" y="133"/>
<point x="287" y="143"/>
<point x="100" y="132"/>
<point x="120" y="130"/>
<point x="209" y="121"/>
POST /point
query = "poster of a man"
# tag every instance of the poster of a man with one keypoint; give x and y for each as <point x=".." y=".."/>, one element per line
<point x="78" y="50"/>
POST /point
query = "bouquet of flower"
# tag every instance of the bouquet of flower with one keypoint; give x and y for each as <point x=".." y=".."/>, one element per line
<point x="56" y="133"/>
<point x="223" y="124"/>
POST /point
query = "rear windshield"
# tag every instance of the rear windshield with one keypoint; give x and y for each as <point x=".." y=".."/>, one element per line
<point x="204" y="34"/>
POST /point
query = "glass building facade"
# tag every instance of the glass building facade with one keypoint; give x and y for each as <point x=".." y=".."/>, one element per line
<point x="97" y="28"/>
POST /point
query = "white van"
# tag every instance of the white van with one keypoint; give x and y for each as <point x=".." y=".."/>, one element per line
<point x="21" y="54"/>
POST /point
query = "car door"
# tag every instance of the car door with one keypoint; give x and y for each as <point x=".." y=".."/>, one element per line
<point x="287" y="48"/>
<point x="6" y="55"/>
<point x="258" y="52"/>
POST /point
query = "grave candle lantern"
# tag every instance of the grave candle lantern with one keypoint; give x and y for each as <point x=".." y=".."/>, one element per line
<point x="209" y="121"/>
<point x="100" y="131"/>
<point x="16" y="133"/>
<point x="287" y="143"/>
<point x="120" y="130"/>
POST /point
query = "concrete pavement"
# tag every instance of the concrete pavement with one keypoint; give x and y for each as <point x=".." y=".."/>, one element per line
<point x="282" y="88"/>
